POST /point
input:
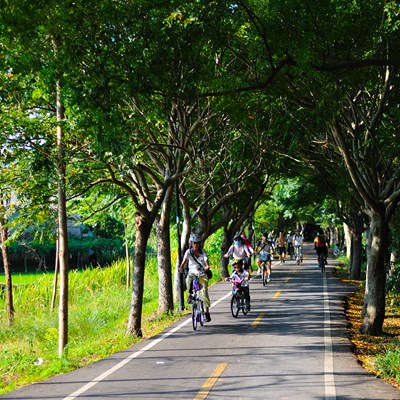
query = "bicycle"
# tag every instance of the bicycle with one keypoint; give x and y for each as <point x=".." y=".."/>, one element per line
<point x="337" y="251"/>
<point x="264" y="271"/>
<point x="198" y="315"/>
<point x="322" y="261"/>
<point x="298" y="254"/>
<point x="290" y="249"/>
<point x="238" y="301"/>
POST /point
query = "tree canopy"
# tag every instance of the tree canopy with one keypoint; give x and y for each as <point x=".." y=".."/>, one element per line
<point x="128" y="101"/>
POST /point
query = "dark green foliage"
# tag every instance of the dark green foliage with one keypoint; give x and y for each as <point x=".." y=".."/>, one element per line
<point x="393" y="280"/>
<point x="109" y="228"/>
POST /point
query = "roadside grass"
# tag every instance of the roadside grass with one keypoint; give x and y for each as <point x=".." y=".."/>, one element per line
<point x="98" y="312"/>
<point x="378" y="354"/>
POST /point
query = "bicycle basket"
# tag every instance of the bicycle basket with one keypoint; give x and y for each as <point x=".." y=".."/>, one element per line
<point x="236" y="285"/>
<point x="197" y="285"/>
<point x="264" y="256"/>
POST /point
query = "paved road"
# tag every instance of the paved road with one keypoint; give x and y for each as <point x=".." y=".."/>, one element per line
<point x="292" y="345"/>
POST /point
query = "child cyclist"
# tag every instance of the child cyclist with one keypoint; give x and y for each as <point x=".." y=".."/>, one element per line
<point x="244" y="276"/>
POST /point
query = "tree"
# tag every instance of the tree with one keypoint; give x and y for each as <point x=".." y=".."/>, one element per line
<point x="365" y="140"/>
<point x="143" y="131"/>
<point x="41" y="106"/>
<point x="346" y="75"/>
<point x="360" y="79"/>
<point x="4" y="205"/>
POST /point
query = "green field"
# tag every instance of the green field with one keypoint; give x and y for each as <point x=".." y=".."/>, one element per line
<point x="98" y="312"/>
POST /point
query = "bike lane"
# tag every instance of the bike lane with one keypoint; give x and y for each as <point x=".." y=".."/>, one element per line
<point x="292" y="345"/>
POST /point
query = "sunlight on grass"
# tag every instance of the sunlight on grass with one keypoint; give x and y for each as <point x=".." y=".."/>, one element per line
<point x="98" y="313"/>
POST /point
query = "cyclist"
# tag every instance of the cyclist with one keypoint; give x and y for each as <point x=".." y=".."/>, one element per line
<point x="195" y="258"/>
<point x="244" y="276"/>
<point x="239" y="251"/>
<point x="298" y="239"/>
<point x="250" y="248"/>
<point x="321" y="245"/>
<point x="264" y="251"/>
<point x="281" y="245"/>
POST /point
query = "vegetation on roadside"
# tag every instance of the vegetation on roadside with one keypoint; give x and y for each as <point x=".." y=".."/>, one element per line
<point x="378" y="354"/>
<point x="99" y="303"/>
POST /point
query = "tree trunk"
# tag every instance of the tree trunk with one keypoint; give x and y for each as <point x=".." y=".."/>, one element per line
<point x="226" y="242"/>
<point x="7" y="273"/>
<point x="184" y="238"/>
<point x="55" y="280"/>
<point x="62" y="230"/>
<point x="347" y="239"/>
<point x="143" y="229"/>
<point x="355" y="259"/>
<point x="165" y="296"/>
<point x="374" y="301"/>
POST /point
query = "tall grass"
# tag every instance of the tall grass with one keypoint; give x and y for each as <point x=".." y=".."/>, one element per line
<point x="388" y="364"/>
<point x="98" y="312"/>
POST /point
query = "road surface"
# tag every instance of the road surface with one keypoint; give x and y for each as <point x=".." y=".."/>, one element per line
<point x="292" y="345"/>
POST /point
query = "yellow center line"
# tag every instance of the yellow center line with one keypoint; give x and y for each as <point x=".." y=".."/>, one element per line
<point x="210" y="382"/>
<point x="277" y="294"/>
<point x="257" y="320"/>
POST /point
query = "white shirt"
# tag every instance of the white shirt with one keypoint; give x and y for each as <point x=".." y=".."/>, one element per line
<point x="194" y="267"/>
<point x="241" y="275"/>
<point x="238" y="252"/>
<point x="298" y="240"/>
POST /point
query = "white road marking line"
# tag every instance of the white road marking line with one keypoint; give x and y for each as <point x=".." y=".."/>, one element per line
<point x="330" y="390"/>
<point x="136" y="354"/>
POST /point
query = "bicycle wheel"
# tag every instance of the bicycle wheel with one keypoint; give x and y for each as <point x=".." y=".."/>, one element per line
<point x="243" y="305"/>
<point x="235" y="305"/>
<point x="264" y="275"/>
<point x="322" y="263"/>
<point x="201" y="313"/>
<point x="194" y="316"/>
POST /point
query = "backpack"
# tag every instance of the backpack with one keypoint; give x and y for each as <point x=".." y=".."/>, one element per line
<point x="320" y="241"/>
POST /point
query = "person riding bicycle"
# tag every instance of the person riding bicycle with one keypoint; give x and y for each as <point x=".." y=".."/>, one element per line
<point x="243" y="275"/>
<point x="298" y="239"/>
<point x="321" y="245"/>
<point x="264" y="251"/>
<point x="197" y="261"/>
<point x="247" y="260"/>
<point x="239" y="250"/>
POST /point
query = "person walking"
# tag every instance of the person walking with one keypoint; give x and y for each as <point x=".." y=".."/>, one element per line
<point x="290" y="247"/>
<point x="281" y="246"/>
